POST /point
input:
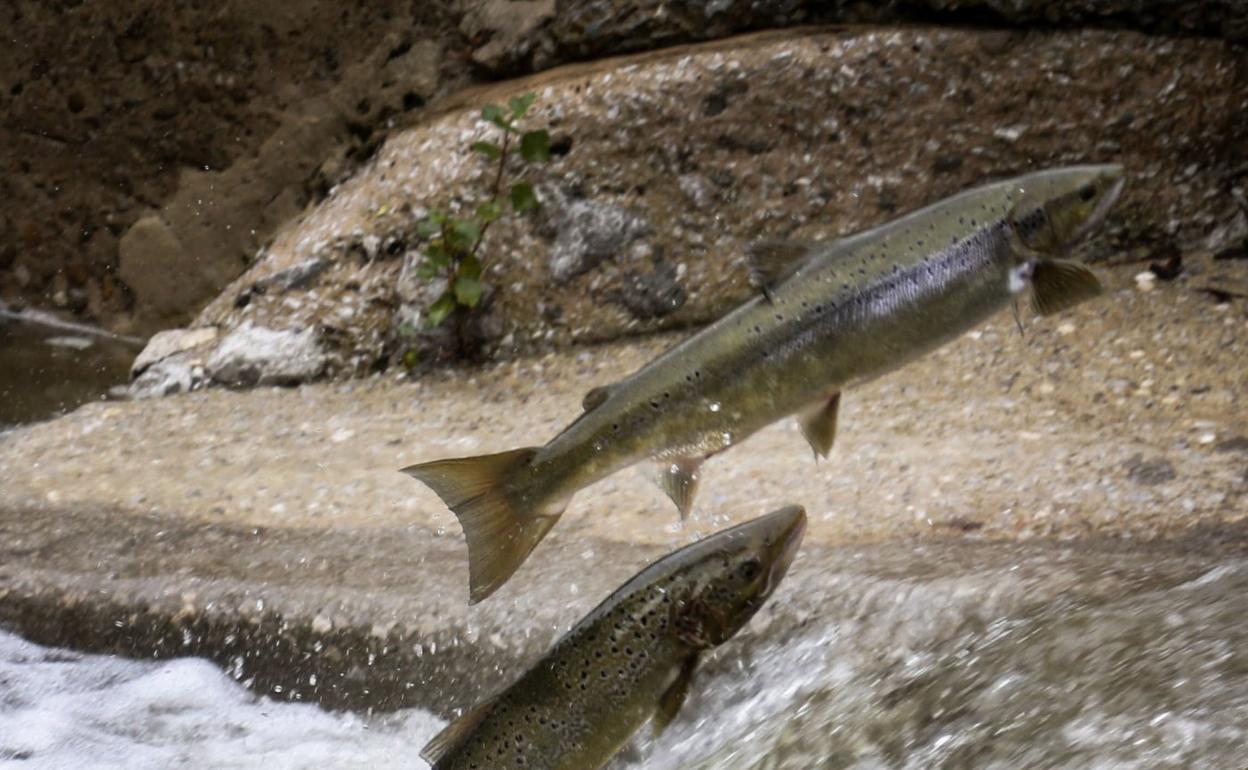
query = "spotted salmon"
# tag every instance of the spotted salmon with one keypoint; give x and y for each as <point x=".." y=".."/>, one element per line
<point x="829" y="315"/>
<point x="630" y="660"/>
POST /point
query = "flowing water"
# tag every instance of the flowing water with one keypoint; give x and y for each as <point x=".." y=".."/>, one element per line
<point x="49" y="367"/>
<point x="896" y="656"/>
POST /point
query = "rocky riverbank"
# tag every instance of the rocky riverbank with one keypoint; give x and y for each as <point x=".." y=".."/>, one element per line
<point x="667" y="165"/>
<point x="151" y="152"/>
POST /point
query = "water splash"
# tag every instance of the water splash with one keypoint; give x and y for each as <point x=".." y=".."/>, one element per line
<point x="62" y="710"/>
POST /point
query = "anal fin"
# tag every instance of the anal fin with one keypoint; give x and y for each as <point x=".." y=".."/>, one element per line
<point x="454" y="734"/>
<point x="1059" y="284"/>
<point x="679" y="479"/>
<point x="674" y="697"/>
<point x="818" y="424"/>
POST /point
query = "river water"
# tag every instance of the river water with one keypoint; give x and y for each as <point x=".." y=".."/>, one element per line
<point x="895" y="656"/>
<point x="47" y="371"/>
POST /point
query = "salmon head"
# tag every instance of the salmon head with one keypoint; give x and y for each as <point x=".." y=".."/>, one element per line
<point x="1056" y="209"/>
<point x="727" y="577"/>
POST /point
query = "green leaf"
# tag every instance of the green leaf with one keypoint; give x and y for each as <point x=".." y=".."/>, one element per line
<point x="467" y="291"/>
<point x="522" y="197"/>
<point x="535" y="145"/>
<point x="470" y="267"/>
<point x="436" y="254"/>
<point x="488" y="212"/>
<point x="427" y="271"/>
<point x="428" y="227"/>
<point x="493" y="113"/>
<point x="488" y="149"/>
<point x="464" y="234"/>
<point x="439" y="310"/>
<point x="468" y="229"/>
<point x="520" y="104"/>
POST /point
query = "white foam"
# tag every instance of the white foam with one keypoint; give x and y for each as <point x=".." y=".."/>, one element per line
<point x="96" y="712"/>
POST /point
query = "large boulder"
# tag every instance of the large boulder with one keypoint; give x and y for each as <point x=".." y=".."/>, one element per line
<point x="687" y="156"/>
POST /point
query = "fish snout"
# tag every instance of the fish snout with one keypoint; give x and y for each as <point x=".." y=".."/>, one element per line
<point x="783" y="546"/>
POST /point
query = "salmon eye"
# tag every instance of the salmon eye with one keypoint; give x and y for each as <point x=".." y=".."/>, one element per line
<point x="1087" y="193"/>
<point x="750" y="569"/>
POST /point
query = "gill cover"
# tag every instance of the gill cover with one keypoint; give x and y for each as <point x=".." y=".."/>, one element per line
<point x="1056" y="209"/>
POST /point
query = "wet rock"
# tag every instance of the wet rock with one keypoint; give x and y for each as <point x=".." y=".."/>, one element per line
<point x="1224" y="288"/>
<point x="697" y="189"/>
<point x="1233" y="444"/>
<point x="1234" y="251"/>
<point x="1167" y="262"/>
<point x="164" y="344"/>
<point x="589" y="232"/>
<point x="296" y="276"/>
<point x="167" y="377"/>
<point x="157" y="268"/>
<point x="652" y="295"/>
<point x="594" y="27"/>
<point x="508" y="28"/>
<point x="254" y="355"/>
<point x="943" y="164"/>
<point x="1149" y="472"/>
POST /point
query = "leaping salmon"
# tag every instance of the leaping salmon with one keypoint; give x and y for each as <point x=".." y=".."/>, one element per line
<point x="628" y="661"/>
<point x="829" y="315"/>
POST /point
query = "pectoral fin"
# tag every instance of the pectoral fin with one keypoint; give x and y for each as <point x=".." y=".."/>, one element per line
<point x="1059" y="284"/>
<point x="456" y="732"/>
<point x="674" y="697"/>
<point x="679" y="479"/>
<point x="818" y="424"/>
<point x="775" y="259"/>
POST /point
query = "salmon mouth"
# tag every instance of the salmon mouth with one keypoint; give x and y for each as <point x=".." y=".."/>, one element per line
<point x="785" y="551"/>
<point x="1101" y="210"/>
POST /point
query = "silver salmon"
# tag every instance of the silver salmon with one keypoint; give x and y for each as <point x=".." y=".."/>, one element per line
<point x="828" y="315"/>
<point x="630" y="660"/>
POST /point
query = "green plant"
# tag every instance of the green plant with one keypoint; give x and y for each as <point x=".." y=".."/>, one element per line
<point x="453" y="242"/>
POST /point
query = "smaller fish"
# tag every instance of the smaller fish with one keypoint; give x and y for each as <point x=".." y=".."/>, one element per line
<point x="629" y="660"/>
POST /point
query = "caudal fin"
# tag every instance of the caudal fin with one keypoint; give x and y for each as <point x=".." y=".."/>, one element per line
<point x="500" y="527"/>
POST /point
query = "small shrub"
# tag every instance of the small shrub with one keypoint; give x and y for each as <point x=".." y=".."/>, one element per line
<point x="453" y="243"/>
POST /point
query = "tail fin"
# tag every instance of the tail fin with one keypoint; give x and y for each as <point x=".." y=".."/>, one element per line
<point x="501" y="527"/>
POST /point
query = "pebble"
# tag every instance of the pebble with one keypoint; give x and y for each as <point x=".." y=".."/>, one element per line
<point x="1146" y="280"/>
<point x="1208" y="438"/>
<point x="1066" y="329"/>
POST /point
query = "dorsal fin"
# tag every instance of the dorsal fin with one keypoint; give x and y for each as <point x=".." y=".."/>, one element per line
<point x="594" y="398"/>
<point x="454" y="734"/>
<point x="772" y="260"/>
